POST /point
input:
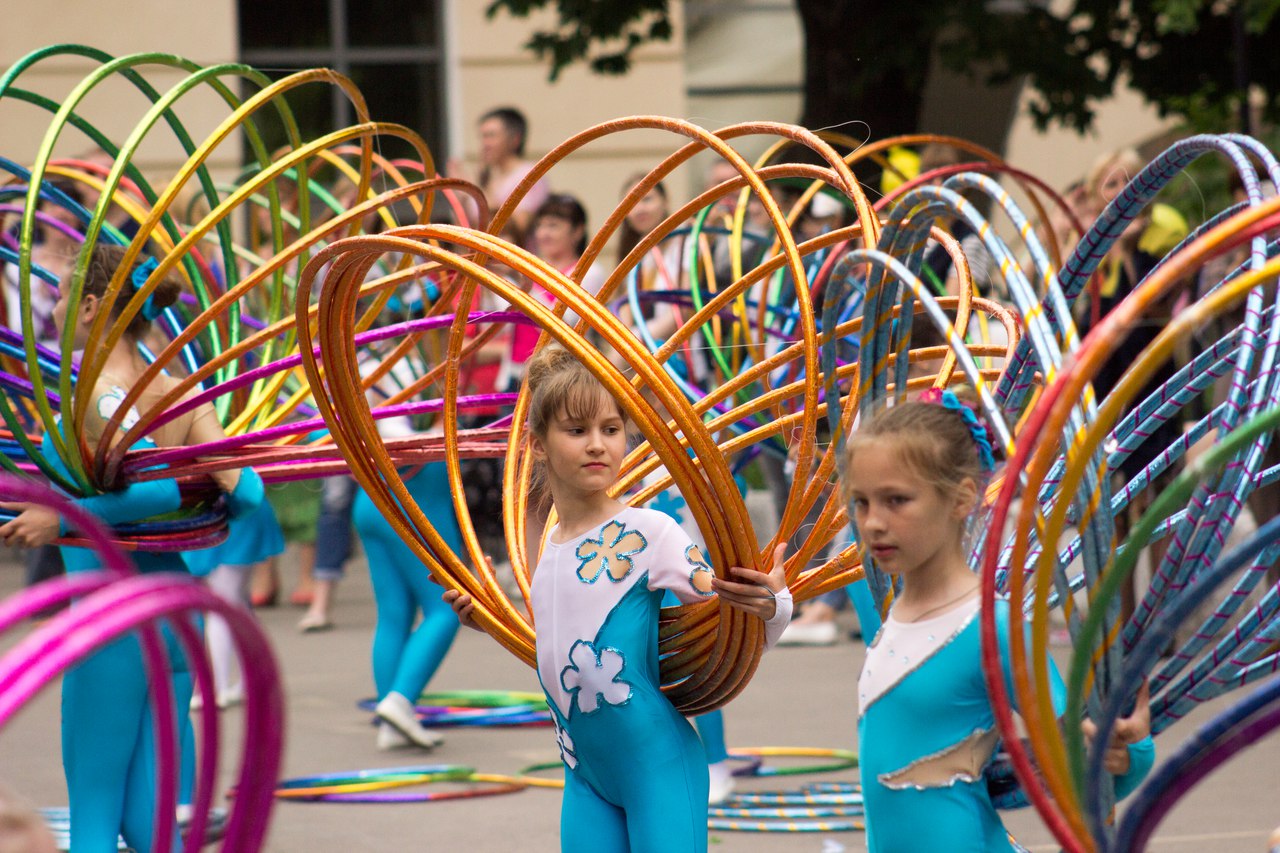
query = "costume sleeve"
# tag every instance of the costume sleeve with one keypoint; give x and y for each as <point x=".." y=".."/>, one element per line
<point x="1057" y="688"/>
<point x="247" y="495"/>
<point x="135" y="502"/>
<point x="1142" y="755"/>
<point x="784" y="606"/>
<point x="677" y="564"/>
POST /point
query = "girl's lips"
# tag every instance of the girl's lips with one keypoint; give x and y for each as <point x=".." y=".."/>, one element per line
<point x="882" y="550"/>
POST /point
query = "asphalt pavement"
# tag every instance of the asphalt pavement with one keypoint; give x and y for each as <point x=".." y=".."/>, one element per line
<point x="801" y="697"/>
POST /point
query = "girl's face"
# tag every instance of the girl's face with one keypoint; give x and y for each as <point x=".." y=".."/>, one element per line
<point x="556" y="237"/>
<point x="905" y="523"/>
<point x="583" y="454"/>
<point x="648" y="212"/>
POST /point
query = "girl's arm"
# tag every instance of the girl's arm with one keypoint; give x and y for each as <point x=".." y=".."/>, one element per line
<point x="243" y="486"/>
<point x="1132" y="750"/>
<point x="37" y="525"/>
<point x="762" y="594"/>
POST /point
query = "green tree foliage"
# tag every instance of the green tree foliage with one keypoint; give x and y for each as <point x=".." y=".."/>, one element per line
<point x="602" y="33"/>
<point x="869" y="59"/>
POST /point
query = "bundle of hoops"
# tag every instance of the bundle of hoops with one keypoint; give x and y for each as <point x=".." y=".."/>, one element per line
<point x="346" y="274"/>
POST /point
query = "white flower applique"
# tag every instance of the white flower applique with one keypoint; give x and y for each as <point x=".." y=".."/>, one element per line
<point x="567" y="753"/>
<point x="593" y="675"/>
<point x="109" y="403"/>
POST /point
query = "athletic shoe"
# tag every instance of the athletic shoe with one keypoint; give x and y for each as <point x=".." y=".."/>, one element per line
<point x="809" y="634"/>
<point x="721" y="787"/>
<point x="389" y="738"/>
<point x="399" y="712"/>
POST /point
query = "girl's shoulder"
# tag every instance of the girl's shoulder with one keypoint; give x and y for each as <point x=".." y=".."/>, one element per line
<point x="105" y="400"/>
<point x="648" y="519"/>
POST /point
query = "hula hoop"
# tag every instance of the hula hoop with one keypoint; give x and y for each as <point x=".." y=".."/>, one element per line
<point x="494" y="789"/>
<point x="844" y="759"/>
<point x="810" y="795"/>
<point x="325" y="785"/>
<point x="817" y="807"/>
<point x="477" y="708"/>
<point x="717" y="824"/>
<point x="539" y="782"/>
<point x="783" y="812"/>
<point x="373" y="786"/>
<point x="751" y="764"/>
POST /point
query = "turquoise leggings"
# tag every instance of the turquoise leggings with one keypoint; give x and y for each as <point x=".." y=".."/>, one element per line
<point x="405" y="655"/>
<point x="108" y="747"/>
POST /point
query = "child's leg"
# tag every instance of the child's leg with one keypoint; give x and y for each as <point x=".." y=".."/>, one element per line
<point x="396" y="610"/>
<point x="711" y="733"/>
<point x="666" y="800"/>
<point x="140" y="791"/>
<point x="433" y="636"/>
<point x="231" y="584"/>
<point x="588" y="824"/>
<point x="103" y="709"/>
<point x="719" y="773"/>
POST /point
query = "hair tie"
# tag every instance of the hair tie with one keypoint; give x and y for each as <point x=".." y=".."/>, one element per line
<point x="978" y="430"/>
<point x="141" y="273"/>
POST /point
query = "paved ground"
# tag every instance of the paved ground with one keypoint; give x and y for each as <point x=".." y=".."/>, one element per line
<point x="801" y="697"/>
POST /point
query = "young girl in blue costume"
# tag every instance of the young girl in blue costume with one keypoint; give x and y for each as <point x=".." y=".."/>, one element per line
<point x="926" y="730"/>
<point x="636" y="777"/>
<point x="405" y="655"/>
<point x="107" y="749"/>
<point x="415" y="628"/>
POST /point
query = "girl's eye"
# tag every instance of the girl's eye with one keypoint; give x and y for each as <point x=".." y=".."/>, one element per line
<point x="860" y="504"/>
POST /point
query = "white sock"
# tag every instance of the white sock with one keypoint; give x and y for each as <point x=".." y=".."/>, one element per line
<point x="231" y="584"/>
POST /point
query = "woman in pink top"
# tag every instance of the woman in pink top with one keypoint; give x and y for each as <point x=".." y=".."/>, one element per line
<point x="559" y="236"/>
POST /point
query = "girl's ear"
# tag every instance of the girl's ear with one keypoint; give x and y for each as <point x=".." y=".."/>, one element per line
<point x="966" y="498"/>
<point x="89" y="305"/>
<point x="538" y="448"/>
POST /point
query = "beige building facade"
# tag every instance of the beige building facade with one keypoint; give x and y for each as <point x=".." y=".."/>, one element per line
<point x="728" y="62"/>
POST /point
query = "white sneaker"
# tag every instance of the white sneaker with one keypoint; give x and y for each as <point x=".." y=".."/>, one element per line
<point x="233" y="695"/>
<point x="389" y="738"/>
<point x="809" y="634"/>
<point x="399" y="712"/>
<point x="721" y="778"/>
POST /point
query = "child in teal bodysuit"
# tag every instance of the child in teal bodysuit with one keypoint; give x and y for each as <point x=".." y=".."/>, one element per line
<point x="107" y="750"/>
<point x="636" y="777"/>
<point x="926" y="729"/>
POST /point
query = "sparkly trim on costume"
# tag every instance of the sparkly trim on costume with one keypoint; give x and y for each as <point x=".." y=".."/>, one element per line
<point x="611" y="553"/>
<point x="567" y="750"/>
<point x="866" y="705"/>
<point x="960" y="762"/>
<point x="700" y="577"/>
<point x="593" y="675"/>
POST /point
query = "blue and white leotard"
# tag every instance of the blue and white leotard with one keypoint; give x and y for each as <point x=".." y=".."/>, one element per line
<point x="926" y="732"/>
<point x="637" y="773"/>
